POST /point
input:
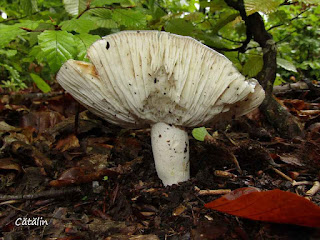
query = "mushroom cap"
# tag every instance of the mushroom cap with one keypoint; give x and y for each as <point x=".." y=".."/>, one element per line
<point x="138" y="78"/>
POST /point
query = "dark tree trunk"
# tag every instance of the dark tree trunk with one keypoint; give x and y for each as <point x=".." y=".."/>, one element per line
<point x="277" y="115"/>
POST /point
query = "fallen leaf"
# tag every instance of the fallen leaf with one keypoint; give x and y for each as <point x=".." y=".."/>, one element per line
<point x="41" y="120"/>
<point x="272" y="206"/>
<point x="10" y="164"/>
<point x="296" y="104"/>
<point x="128" y="146"/>
<point x="5" y="127"/>
<point x="77" y="175"/>
<point x="27" y="152"/>
<point x="70" y="141"/>
<point x="291" y="159"/>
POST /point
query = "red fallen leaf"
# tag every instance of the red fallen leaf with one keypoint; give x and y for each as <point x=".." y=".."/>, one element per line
<point x="272" y="206"/>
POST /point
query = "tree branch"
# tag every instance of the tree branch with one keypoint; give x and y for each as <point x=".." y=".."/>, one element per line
<point x="290" y="20"/>
<point x="110" y="8"/>
<point x="239" y="5"/>
<point x="277" y="115"/>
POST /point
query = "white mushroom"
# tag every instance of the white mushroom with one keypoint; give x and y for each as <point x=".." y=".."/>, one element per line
<point x="169" y="82"/>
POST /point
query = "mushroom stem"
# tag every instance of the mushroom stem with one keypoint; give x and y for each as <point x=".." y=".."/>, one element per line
<point x="170" y="146"/>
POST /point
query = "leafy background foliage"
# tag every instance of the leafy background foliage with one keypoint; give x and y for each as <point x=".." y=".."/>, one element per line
<point x="39" y="36"/>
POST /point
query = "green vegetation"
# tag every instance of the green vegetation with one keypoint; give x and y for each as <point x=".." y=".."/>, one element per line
<point x="38" y="36"/>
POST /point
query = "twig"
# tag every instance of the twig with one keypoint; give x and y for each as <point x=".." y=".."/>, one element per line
<point x="315" y="188"/>
<point x="110" y="8"/>
<point x="22" y="96"/>
<point x="212" y="192"/>
<point x="290" y="20"/>
<point x="39" y="214"/>
<point x="18" y="18"/>
<point x="211" y="140"/>
<point x="224" y="174"/>
<point x="76" y="120"/>
<point x="30" y="30"/>
<point x="230" y="40"/>
<point x="53" y="193"/>
<point x="294" y="183"/>
<point x="282" y="174"/>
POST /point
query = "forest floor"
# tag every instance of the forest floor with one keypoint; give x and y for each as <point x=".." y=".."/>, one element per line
<point x="92" y="180"/>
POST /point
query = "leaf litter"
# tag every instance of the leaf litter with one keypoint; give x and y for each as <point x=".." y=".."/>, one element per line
<point x="99" y="181"/>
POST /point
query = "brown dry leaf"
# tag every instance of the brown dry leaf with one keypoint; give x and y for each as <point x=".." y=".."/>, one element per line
<point x="77" y="175"/>
<point x="5" y="127"/>
<point x="179" y="210"/>
<point x="290" y="159"/>
<point x="67" y="143"/>
<point x="65" y="105"/>
<point x="128" y="145"/>
<point x="10" y="164"/>
<point x="104" y="225"/>
<point x="41" y="120"/>
<point x="144" y="237"/>
<point x="25" y="151"/>
<point x="255" y="116"/>
<point x="310" y="154"/>
<point x="297" y="104"/>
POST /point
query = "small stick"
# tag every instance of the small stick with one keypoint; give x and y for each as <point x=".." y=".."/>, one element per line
<point x="76" y="120"/>
<point x="294" y="183"/>
<point x="212" y="192"/>
<point x="282" y="175"/>
<point x="9" y="202"/>
<point x="315" y="188"/>
<point x="212" y="140"/>
<point x="44" y="194"/>
<point x="225" y="174"/>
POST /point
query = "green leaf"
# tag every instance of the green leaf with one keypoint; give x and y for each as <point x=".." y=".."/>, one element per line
<point x="224" y="19"/>
<point x="100" y="3"/>
<point x="58" y="47"/>
<point x="101" y="12"/>
<point x="75" y="7"/>
<point x="253" y="66"/>
<point x="179" y="26"/>
<point x="129" y="18"/>
<point x="105" y="23"/>
<point x="215" y="5"/>
<point x="37" y="53"/>
<point x="211" y="41"/>
<point x="9" y="53"/>
<point x="78" y="25"/>
<point x="286" y="64"/>
<point x="310" y="1"/>
<point x="15" y="82"/>
<point x="10" y="32"/>
<point x="83" y="41"/>
<point x="41" y="84"/>
<point x="105" y="178"/>
<point x="102" y="18"/>
<point x="278" y="80"/>
<point x="29" y="6"/>
<point x="200" y="133"/>
<point x="234" y="58"/>
<point x="264" y="6"/>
